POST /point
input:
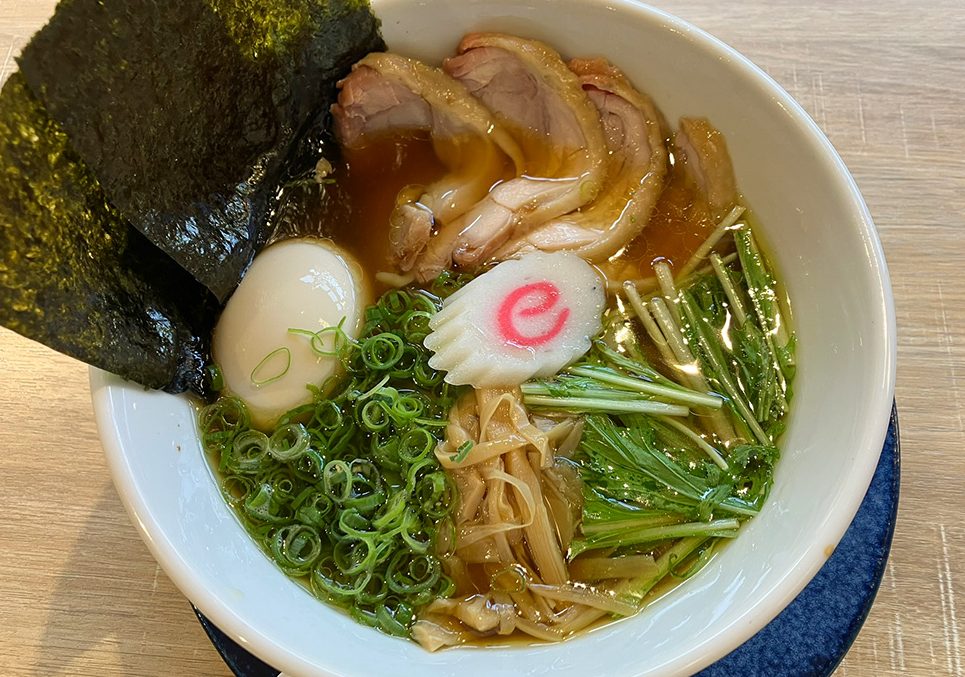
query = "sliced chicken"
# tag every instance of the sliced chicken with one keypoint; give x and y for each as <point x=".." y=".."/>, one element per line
<point x="706" y="160"/>
<point x="387" y="93"/>
<point x="533" y="93"/>
<point x="637" y="171"/>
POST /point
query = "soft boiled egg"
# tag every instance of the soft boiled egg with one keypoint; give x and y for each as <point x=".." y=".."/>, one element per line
<point x="267" y="342"/>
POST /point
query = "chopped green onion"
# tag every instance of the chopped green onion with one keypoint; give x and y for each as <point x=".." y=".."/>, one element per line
<point x="462" y="452"/>
<point x="289" y="442"/>
<point x="275" y="372"/>
<point x="346" y="492"/>
<point x="215" y="377"/>
<point x="382" y="351"/>
<point x="341" y="341"/>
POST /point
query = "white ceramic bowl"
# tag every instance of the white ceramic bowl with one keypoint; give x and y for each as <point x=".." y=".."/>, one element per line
<point x="825" y="247"/>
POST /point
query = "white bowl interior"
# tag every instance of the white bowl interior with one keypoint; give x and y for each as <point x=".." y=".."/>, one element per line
<point x="822" y="242"/>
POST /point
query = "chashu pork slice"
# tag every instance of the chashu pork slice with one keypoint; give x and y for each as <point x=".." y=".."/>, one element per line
<point x="387" y="93"/>
<point x="703" y="151"/>
<point x="541" y="102"/>
<point x="635" y="137"/>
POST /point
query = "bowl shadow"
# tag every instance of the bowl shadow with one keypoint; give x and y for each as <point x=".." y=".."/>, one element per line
<point x="117" y="602"/>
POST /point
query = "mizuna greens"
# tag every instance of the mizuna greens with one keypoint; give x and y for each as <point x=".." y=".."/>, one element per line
<point x="651" y="474"/>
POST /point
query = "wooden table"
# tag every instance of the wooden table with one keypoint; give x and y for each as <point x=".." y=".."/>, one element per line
<point x="81" y="595"/>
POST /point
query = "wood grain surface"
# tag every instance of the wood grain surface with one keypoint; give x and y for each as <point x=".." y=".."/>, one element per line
<point x="885" y="79"/>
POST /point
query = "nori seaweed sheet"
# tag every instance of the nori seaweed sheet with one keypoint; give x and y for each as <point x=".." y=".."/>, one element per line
<point x="189" y="111"/>
<point x="75" y="275"/>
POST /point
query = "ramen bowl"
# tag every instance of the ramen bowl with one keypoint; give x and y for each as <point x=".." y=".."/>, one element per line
<point x="823" y="244"/>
